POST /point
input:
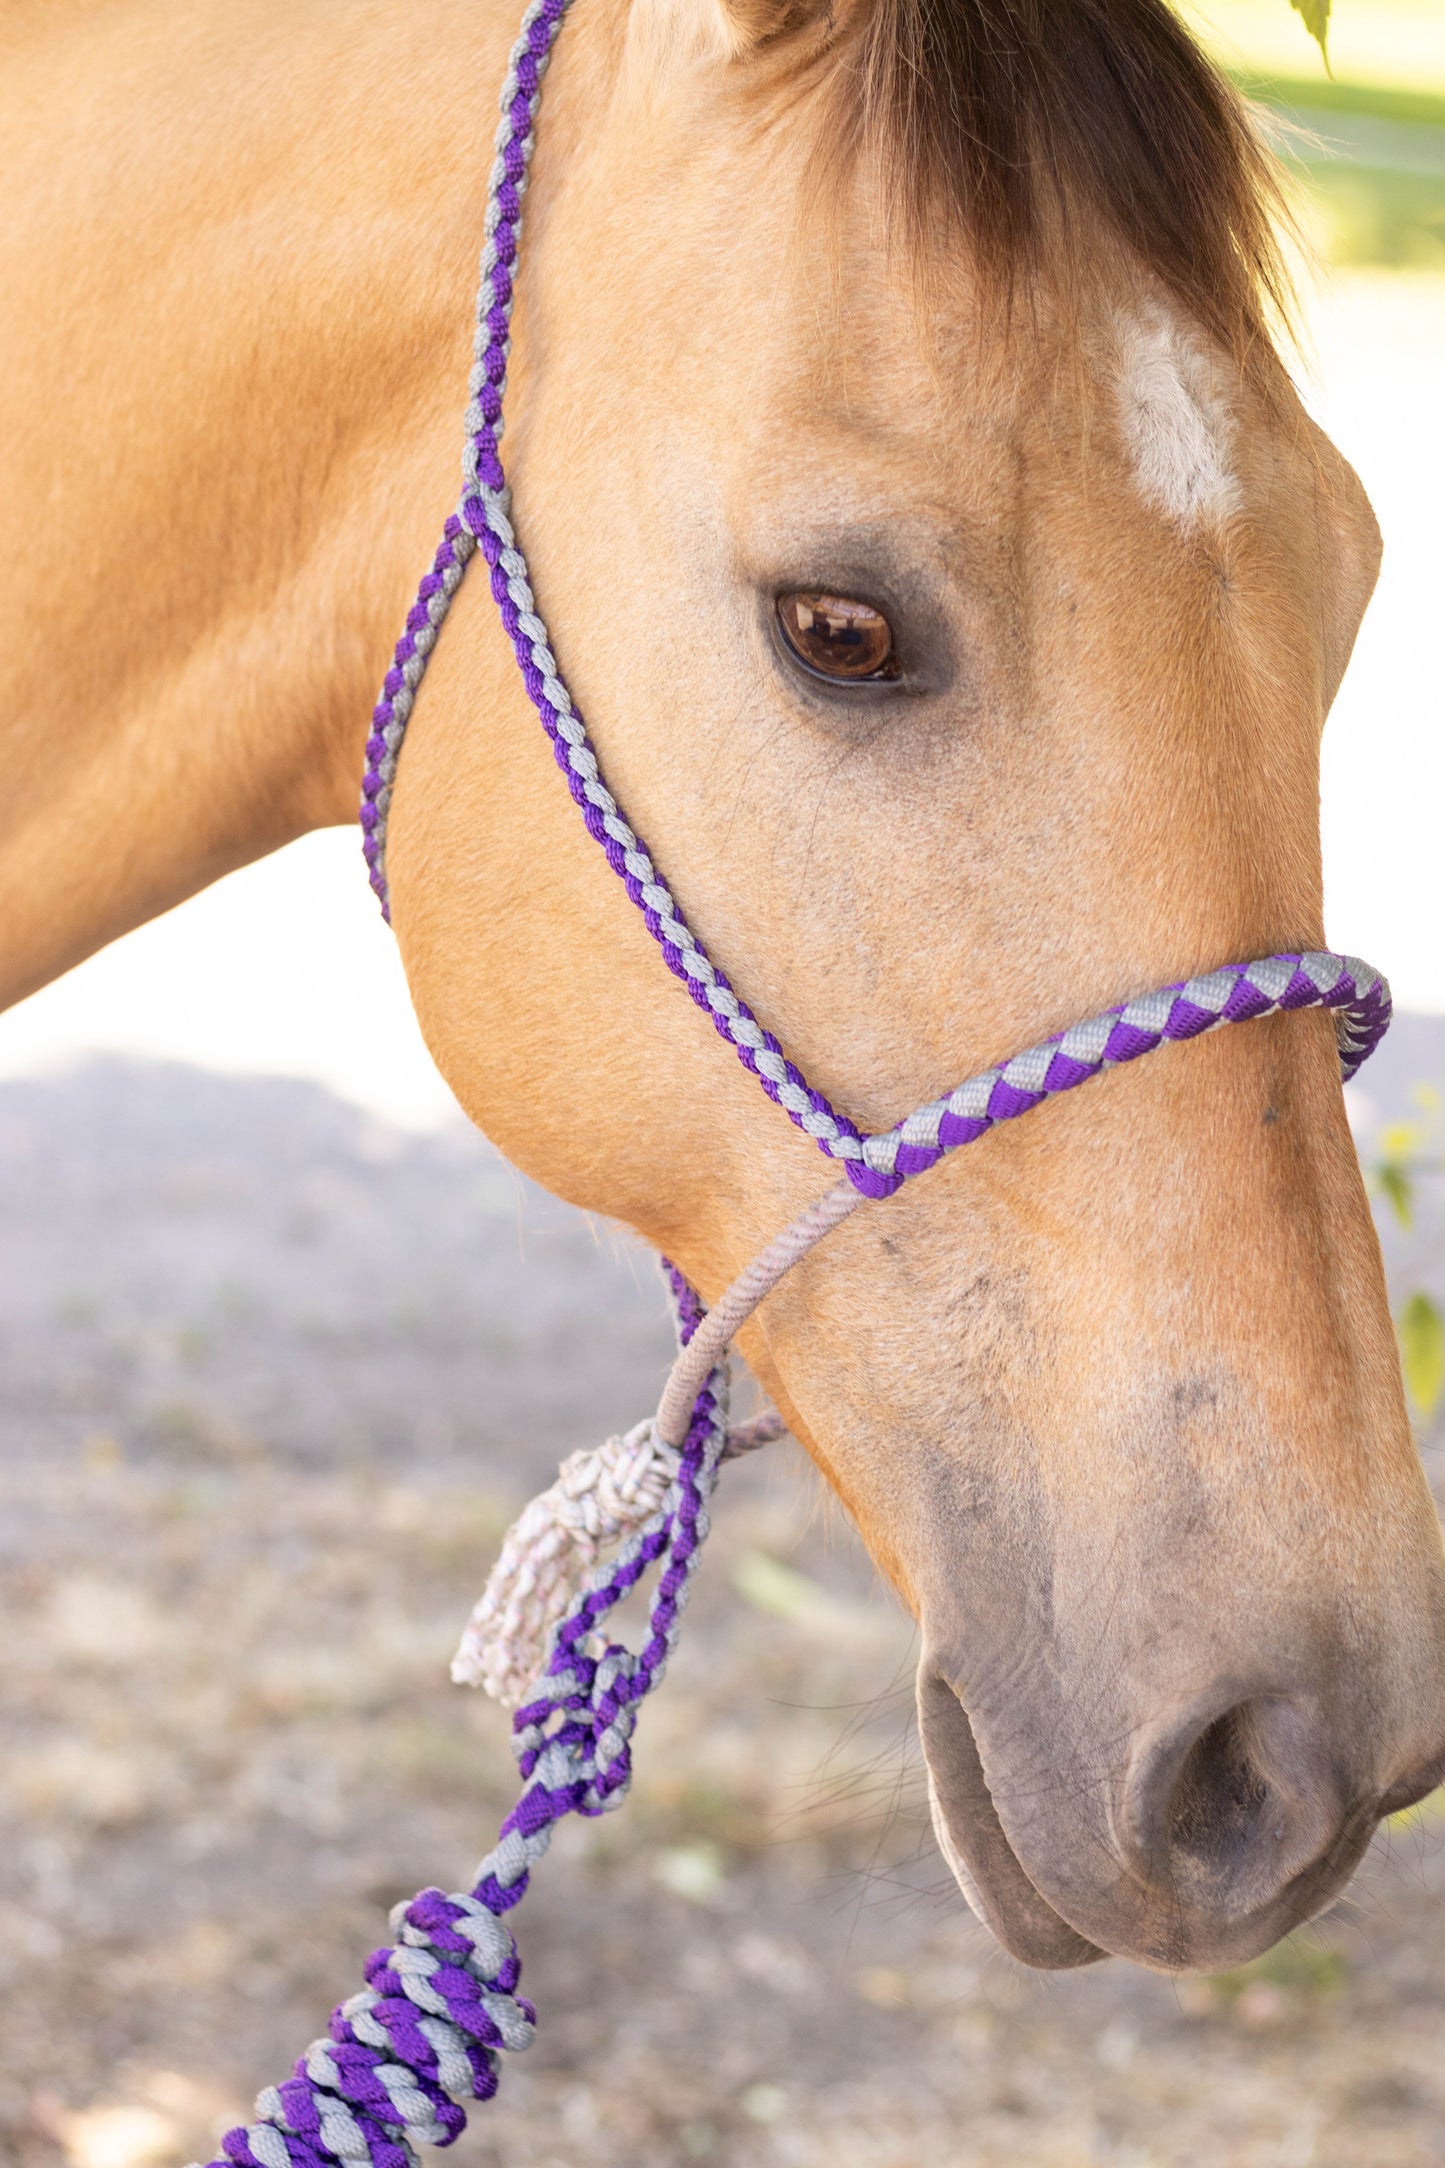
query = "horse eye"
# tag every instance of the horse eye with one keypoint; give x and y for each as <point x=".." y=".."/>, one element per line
<point x="837" y="638"/>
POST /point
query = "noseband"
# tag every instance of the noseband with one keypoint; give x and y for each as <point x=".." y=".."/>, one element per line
<point x="439" y="2005"/>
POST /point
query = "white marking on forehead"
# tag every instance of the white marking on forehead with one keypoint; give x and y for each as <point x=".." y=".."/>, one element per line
<point x="1178" y="423"/>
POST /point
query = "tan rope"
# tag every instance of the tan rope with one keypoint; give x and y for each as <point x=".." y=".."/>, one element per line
<point x="720" y="1327"/>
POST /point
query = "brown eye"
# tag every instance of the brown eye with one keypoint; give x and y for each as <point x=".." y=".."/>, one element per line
<point x="839" y="639"/>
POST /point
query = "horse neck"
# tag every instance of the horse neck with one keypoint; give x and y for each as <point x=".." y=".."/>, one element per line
<point x="237" y="285"/>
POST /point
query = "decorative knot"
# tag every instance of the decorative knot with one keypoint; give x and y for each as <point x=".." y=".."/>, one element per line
<point x="600" y="1496"/>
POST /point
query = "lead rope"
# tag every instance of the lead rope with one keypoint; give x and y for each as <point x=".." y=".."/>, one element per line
<point x="440" y="2004"/>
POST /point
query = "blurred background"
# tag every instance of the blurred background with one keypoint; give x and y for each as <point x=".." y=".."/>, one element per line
<point x="277" y="1364"/>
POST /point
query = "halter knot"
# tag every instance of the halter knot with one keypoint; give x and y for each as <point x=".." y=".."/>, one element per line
<point x="600" y="1495"/>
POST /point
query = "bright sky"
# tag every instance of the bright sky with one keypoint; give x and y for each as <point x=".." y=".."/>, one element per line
<point x="286" y="968"/>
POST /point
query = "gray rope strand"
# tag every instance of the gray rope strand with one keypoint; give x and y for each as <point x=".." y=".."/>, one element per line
<point x="709" y="1343"/>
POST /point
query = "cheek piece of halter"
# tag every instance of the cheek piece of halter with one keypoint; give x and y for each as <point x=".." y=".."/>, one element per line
<point x="437" y="2006"/>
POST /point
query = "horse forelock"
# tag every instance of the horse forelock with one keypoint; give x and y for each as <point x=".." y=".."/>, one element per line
<point x="1046" y="136"/>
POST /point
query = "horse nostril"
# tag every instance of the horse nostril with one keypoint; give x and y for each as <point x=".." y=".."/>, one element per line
<point x="1228" y="1806"/>
<point x="1222" y="1797"/>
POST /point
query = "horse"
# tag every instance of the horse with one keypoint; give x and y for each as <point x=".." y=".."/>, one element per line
<point x="956" y="590"/>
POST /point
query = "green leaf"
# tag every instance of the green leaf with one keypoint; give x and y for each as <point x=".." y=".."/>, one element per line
<point x="1422" y="1351"/>
<point x="1315" y="15"/>
<point x="768" y="1585"/>
<point x="1395" y="1182"/>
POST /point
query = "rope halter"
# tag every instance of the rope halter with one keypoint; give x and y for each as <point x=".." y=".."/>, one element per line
<point x="442" y="2002"/>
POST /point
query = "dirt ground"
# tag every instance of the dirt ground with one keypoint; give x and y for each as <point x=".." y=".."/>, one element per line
<point x="274" y="1378"/>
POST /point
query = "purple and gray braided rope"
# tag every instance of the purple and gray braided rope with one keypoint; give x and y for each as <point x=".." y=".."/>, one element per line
<point x="441" y="2003"/>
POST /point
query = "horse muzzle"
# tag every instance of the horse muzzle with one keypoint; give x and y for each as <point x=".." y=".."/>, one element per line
<point x="1189" y="1845"/>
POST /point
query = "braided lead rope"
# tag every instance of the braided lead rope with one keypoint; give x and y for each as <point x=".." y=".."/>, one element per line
<point x="599" y="1495"/>
<point x="437" y="2007"/>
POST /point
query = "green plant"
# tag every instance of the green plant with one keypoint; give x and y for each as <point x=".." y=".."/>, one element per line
<point x="1422" y="1351"/>
<point x="1410" y="1152"/>
<point x="1315" y="15"/>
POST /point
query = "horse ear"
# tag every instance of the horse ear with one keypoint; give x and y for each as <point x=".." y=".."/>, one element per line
<point x="747" y="24"/>
<point x="729" y="29"/>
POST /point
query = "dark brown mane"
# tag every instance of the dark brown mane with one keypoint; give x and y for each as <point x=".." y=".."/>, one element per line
<point x="1032" y="121"/>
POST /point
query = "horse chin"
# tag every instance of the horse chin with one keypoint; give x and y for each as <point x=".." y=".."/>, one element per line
<point x="972" y="1841"/>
